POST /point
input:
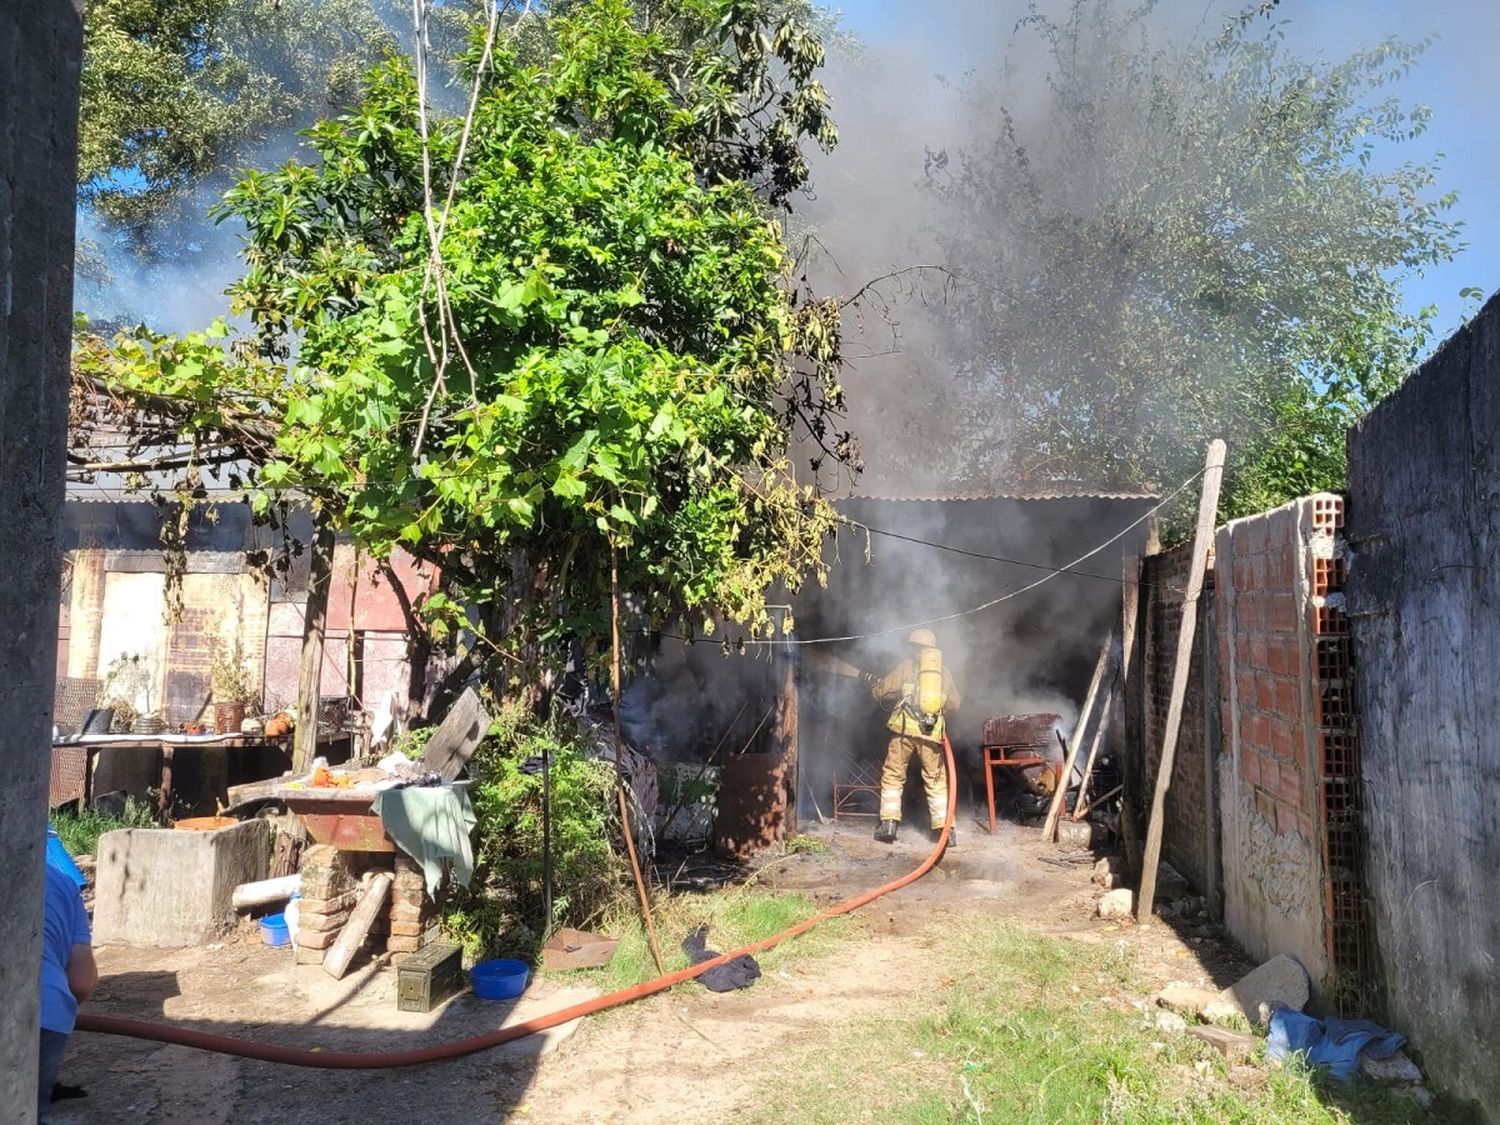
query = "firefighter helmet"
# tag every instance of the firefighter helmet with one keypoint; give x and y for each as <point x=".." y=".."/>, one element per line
<point x="923" y="638"/>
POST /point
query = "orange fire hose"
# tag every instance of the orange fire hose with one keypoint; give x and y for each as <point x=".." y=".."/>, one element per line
<point x="353" y="1060"/>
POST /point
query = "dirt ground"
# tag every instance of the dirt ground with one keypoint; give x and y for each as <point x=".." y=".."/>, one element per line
<point x="687" y="1055"/>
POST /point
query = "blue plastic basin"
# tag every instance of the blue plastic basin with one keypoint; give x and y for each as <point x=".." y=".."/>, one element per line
<point x="499" y="980"/>
<point x="273" y="930"/>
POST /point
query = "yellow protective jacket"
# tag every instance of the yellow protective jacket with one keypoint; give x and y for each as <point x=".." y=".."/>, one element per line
<point x="901" y="686"/>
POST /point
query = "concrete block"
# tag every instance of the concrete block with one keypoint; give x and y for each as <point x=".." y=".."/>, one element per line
<point x="168" y="888"/>
<point x="1280" y="982"/>
<point x="1185" y="998"/>
<point x="1233" y="1045"/>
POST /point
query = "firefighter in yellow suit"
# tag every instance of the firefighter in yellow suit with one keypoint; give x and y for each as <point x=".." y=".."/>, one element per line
<point x="916" y="731"/>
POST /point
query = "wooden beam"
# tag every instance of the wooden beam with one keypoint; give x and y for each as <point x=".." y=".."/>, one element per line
<point x="1049" y="828"/>
<point x="1088" y="769"/>
<point x="352" y="936"/>
<point x="1131" y="687"/>
<point x="1208" y="506"/>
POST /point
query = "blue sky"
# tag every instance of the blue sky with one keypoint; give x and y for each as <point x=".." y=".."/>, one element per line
<point x="1459" y="77"/>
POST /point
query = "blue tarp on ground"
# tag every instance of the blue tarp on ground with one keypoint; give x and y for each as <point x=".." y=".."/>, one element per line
<point x="1331" y="1043"/>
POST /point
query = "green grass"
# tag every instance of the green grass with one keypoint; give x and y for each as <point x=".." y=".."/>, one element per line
<point x="736" y="917"/>
<point x="80" y="832"/>
<point x="1032" y="1029"/>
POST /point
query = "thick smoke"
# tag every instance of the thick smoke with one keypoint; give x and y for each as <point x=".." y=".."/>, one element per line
<point x="1083" y="294"/>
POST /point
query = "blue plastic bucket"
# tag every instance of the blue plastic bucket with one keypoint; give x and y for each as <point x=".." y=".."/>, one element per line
<point x="273" y="930"/>
<point x="499" y="980"/>
<point x="58" y="857"/>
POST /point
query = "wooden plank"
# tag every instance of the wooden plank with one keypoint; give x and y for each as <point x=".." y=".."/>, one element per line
<point x="457" y="736"/>
<point x="291" y="835"/>
<point x="352" y="936"/>
<point x="1208" y="505"/>
<point x="1054" y="813"/>
<point x="1088" y="769"/>
<point x="1132" y="683"/>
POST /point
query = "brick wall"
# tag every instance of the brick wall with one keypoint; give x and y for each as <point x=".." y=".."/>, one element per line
<point x="1276" y="607"/>
<point x="1190" y="825"/>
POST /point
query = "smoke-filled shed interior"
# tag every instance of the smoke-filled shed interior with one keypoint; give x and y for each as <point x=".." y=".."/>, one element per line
<point x="1032" y="652"/>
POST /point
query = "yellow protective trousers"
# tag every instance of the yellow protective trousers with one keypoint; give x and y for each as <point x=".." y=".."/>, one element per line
<point x="934" y="777"/>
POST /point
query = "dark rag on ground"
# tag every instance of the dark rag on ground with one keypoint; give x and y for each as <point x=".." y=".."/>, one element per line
<point x="738" y="973"/>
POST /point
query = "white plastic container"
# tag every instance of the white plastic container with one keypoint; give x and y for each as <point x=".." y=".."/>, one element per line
<point x="290" y="913"/>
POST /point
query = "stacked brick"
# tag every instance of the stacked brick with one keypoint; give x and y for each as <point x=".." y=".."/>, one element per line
<point x="329" y="892"/>
<point x="1286" y="694"/>
<point x="411" y="915"/>
<point x="331" y="882"/>
<point x="1261" y="651"/>
<point x="1337" y="756"/>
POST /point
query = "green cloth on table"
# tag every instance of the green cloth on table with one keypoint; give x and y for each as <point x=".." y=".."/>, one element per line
<point x="431" y="824"/>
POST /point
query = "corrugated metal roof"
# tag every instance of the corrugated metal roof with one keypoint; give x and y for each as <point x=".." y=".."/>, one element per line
<point x="1049" y="490"/>
<point x="114" y="491"/>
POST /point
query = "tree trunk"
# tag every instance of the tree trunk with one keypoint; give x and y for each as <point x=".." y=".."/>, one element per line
<point x="786" y="737"/>
<point x="417" y="648"/>
<point x="310" y="680"/>
<point x="41" y="45"/>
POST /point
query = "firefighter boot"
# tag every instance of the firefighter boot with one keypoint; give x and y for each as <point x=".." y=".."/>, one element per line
<point x="885" y="832"/>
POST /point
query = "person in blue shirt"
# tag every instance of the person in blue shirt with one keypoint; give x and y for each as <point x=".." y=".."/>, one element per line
<point x="69" y="975"/>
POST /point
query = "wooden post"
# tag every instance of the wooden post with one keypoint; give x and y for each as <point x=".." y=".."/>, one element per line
<point x="787" y="737"/>
<point x="1131" y="684"/>
<point x="635" y="863"/>
<point x="1088" y="769"/>
<point x="1049" y="828"/>
<point x="1208" y="505"/>
<point x="315" y="620"/>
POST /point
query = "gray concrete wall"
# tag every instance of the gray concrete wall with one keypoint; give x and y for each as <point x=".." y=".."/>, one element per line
<point x="169" y="887"/>
<point x="1424" y="603"/>
<point x="41" y="45"/>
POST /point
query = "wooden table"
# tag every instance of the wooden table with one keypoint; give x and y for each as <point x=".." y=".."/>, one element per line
<point x="166" y="746"/>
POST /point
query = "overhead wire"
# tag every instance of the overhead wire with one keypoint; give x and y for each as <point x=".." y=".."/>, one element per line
<point x="1052" y="573"/>
<point x="988" y="558"/>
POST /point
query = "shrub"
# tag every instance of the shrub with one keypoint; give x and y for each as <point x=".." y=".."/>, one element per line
<point x="503" y="908"/>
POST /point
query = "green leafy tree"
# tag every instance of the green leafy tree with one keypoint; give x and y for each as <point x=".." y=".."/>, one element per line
<point x="603" y="360"/>
<point x="176" y="94"/>
<point x="1185" y="241"/>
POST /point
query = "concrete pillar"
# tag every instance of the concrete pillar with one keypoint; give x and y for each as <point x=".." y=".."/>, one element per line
<point x="41" y="48"/>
